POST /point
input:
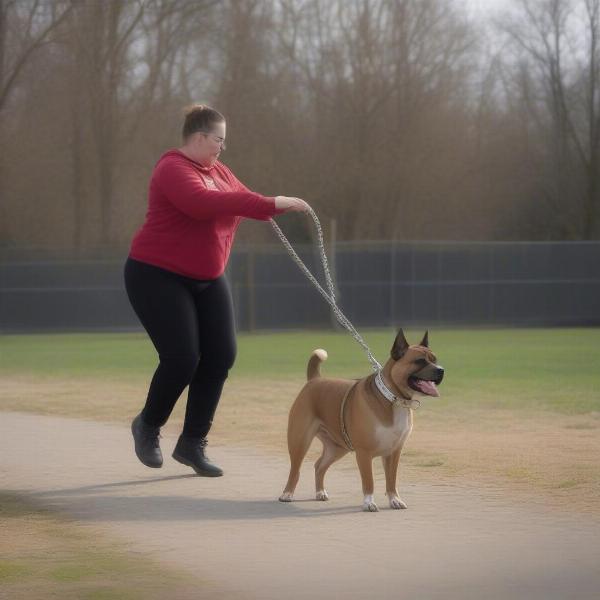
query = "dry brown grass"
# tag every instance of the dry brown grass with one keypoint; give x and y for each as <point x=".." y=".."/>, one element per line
<point x="45" y="555"/>
<point x="549" y="455"/>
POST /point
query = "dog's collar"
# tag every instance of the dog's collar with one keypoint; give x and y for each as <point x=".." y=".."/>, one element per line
<point x="388" y="394"/>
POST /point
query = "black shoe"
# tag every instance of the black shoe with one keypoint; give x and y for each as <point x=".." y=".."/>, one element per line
<point x="146" y="443"/>
<point x="190" y="451"/>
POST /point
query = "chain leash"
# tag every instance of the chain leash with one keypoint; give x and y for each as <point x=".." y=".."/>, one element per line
<point x="330" y="298"/>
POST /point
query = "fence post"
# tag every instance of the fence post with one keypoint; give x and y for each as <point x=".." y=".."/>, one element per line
<point x="492" y="283"/>
<point x="413" y="285"/>
<point x="392" y="283"/>
<point x="333" y="272"/>
<point x="438" y="284"/>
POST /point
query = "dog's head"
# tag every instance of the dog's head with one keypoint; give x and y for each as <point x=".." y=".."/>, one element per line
<point x="414" y="370"/>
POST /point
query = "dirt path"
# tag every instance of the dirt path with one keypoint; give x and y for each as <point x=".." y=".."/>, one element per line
<point x="452" y="542"/>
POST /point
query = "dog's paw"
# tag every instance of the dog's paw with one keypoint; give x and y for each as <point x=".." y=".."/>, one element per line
<point x="322" y="495"/>
<point x="370" y="506"/>
<point x="396" y="502"/>
<point x="286" y="497"/>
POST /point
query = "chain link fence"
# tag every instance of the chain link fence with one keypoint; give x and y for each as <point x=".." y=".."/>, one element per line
<point x="379" y="284"/>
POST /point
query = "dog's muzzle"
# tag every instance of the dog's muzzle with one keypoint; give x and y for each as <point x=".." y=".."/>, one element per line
<point x="427" y="383"/>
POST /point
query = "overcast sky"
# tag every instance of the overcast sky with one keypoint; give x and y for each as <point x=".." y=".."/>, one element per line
<point x="482" y="8"/>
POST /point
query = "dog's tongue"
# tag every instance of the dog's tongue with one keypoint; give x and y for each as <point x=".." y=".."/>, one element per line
<point x="427" y="387"/>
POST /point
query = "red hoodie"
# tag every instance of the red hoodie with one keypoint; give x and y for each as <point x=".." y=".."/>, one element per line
<point x="193" y="214"/>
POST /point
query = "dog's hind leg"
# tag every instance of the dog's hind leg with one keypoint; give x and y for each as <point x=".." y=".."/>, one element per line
<point x="300" y="436"/>
<point x="331" y="453"/>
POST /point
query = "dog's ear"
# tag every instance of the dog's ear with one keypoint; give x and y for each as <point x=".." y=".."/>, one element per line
<point x="400" y="346"/>
<point x="425" y="340"/>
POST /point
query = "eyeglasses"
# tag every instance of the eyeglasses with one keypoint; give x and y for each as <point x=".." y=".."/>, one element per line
<point x="216" y="138"/>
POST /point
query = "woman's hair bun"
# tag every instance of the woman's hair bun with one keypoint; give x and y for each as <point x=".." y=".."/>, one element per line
<point x="190" y="108"/>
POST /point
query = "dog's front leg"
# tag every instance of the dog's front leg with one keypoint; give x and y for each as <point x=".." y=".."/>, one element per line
<point x="365" y="466"/>
<point x="390" y="466"/>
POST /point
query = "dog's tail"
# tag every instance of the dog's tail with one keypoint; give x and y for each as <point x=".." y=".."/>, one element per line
<point x="316" y="358"/>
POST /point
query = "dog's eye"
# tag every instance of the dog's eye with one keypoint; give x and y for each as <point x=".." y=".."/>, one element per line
<point x="421" y="361"/>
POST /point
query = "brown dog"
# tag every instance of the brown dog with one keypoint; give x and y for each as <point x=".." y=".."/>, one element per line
<point x="371" y="417"/>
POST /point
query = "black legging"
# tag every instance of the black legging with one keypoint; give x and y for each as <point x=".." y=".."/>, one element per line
<point x="191" y="324"/>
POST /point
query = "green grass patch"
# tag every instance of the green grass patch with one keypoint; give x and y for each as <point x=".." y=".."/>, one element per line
<point x="12" y="570"/>
<point x="555" y="369"/>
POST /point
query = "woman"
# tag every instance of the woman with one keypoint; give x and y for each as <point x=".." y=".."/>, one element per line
<point x="175" y="281"/>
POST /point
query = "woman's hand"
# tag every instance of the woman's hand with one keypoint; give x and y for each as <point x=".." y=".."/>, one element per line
<point x="291" y="204"/>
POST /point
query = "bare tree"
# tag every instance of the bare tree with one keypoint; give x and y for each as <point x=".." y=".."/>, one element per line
<point x="25" y="26"/>
<point x="561" y="93"/>
<point x="124" y="59"/>
<point x="387" y="115"/>
<point x="372" y="69"/>
<point x="590" y="157"/>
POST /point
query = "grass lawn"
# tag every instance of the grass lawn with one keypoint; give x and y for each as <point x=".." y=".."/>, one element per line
<point x="554" y="369"/>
